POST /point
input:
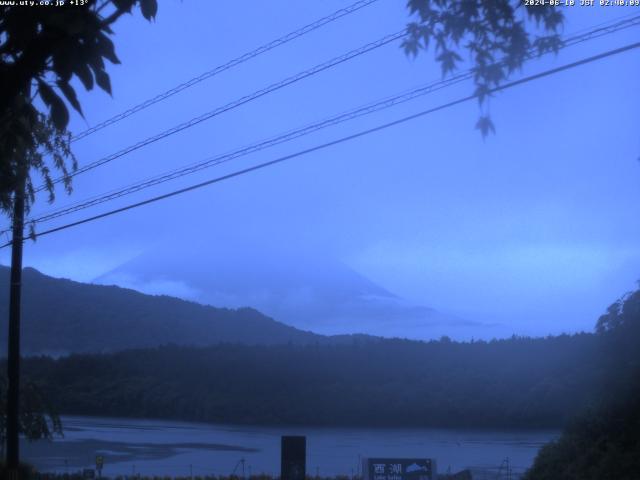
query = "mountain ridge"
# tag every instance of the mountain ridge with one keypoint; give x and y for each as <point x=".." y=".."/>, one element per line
<point x="62" y="316"/>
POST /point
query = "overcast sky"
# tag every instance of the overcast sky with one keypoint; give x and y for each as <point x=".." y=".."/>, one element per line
<point x="536" y="226"/>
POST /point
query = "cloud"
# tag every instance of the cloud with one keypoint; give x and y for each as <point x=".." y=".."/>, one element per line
<point x="172" y="288"/>
<point x="551" y="283"/>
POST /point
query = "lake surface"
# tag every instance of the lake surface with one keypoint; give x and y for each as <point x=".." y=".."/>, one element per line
<point x="158" y="447"/>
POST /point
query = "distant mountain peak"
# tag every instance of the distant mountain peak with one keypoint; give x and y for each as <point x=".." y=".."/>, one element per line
<point x="302" y="289"/>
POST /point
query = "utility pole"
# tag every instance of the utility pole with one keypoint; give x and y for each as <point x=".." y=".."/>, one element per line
<point x="13" y="361"/>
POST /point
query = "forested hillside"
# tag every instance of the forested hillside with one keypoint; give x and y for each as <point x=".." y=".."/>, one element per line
<point x="604" y="442"/>
<point x="509" y="383"/>
<point x="62" y="316"/>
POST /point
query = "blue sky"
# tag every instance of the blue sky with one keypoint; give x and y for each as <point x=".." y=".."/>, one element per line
<point x="535" y="227"/>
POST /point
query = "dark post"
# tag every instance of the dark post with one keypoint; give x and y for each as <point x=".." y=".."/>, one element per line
<point x="293" y="458"/>
<point x="13" y="363"/>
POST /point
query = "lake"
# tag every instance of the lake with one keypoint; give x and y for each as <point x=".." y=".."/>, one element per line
<point x="159" y="447"/>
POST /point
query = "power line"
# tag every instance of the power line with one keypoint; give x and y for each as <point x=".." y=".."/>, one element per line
<point x="341" y="140"/>
<point x="383" y="104"/>
<point x="219" y="159"/>
<point x="276" y="86"/>
<point x="236" y="103"/>
<point x="306" y="130"/>
<point x="226" y="66"/>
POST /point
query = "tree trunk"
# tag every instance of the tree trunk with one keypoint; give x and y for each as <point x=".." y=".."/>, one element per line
<point x="13" y="363"/>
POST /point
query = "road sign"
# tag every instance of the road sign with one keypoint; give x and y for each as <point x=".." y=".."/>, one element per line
<point x="399" y="469"/>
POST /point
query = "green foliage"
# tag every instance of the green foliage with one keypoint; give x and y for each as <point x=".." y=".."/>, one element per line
<point x="518" y="382"/>
<point x="605" y="443"/>
<point x="26" y="472"/>
<point x="28" y="142"/>
<point x="485" y="125"/>
<point x="622" y="317"/>
<point x="497" y="36"/>
<point x="619" y="330"/>
<point x="38" y="419"/>
<point x="601" y="445"/>
<point x="41" y="50"/>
